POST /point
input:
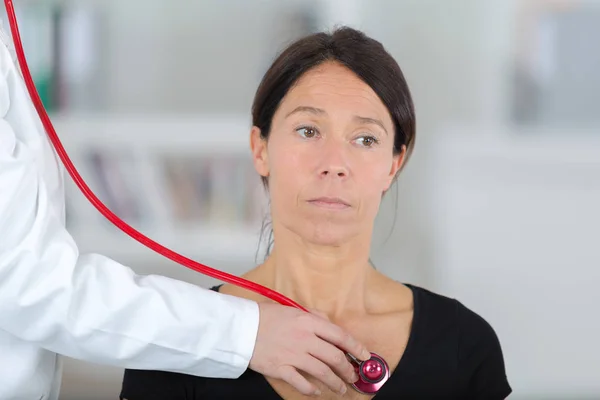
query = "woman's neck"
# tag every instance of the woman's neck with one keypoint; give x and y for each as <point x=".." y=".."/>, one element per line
<point x="329" y="280"/>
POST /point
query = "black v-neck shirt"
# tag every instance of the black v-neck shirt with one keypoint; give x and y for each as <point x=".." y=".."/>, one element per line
<point x="452" y="353"/>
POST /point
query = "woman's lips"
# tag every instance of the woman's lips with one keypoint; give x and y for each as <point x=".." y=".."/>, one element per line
<point x="331" y="203"/>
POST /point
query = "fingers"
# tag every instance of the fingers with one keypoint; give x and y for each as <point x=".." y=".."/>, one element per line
<point x="323" y="373"/>
<point x="300" y="383"/>
<point x="292" y="345"/>
<point x="342" y="339"/>
<point x="334" y="358"/>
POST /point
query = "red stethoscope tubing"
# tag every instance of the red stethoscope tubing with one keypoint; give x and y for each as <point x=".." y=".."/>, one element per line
<point x="363" y="385"/>
<point x="186" y="262"/>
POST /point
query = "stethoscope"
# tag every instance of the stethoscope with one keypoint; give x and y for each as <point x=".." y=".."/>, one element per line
<point x="372" y="373"/>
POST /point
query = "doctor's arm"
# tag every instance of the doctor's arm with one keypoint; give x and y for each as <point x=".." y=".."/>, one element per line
<point x="92" y="308"/>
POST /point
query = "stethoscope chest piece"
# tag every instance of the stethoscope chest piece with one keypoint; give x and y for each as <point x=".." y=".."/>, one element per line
<point x="372" y="374"/>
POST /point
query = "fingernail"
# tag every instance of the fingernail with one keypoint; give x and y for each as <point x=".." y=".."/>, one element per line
<point x="354" y="378"/>
<point x="343" y="390"/>
<point x="317" y="392"/>
<point x="366" y="355"/>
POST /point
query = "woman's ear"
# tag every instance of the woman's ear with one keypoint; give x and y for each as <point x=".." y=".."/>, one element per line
<point x="260" y="157"/>
<point x="397" y="163"/>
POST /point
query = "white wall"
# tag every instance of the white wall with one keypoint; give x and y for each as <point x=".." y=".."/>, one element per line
<point x="517" y="239"/>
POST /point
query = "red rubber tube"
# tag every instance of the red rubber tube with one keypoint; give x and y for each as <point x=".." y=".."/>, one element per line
<point x="178" y="258"/>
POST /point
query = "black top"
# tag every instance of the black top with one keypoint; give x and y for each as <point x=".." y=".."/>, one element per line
<point x="452" y="353"/>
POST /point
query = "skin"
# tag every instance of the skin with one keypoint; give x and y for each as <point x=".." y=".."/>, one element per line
<point x="331" y="137"/>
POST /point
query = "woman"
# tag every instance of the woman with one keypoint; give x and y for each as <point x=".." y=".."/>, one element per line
<point x="333" y="124"/>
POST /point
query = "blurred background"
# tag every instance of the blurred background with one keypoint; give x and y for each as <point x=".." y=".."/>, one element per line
<point x="498" y="207"/>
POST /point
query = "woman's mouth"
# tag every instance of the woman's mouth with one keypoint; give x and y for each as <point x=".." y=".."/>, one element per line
<point x="331" y="203"/>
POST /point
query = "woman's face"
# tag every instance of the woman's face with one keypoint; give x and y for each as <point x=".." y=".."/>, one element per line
<point x="329" y="157"/>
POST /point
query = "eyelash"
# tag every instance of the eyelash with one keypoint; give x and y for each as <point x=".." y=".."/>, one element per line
<point x="374" y="140"/>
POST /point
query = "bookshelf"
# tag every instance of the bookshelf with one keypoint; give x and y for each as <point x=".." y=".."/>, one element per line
<point x="186" y="182"/>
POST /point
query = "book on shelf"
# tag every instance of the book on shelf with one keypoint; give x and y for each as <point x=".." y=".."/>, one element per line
<point x="117" y="183"/>
<point x="216" y="189"/>
<point x="167" y="192"/>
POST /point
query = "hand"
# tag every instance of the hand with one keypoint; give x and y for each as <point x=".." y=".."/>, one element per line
<point x="290" y="340"/>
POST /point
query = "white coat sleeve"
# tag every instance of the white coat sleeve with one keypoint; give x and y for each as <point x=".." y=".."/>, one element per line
<point x="89" y="307"/>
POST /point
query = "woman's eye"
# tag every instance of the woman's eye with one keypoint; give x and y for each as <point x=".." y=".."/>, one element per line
<point x="368" y="141"/>
<point x="307" y="132"/>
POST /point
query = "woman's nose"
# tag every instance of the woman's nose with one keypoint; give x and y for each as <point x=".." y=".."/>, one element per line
<point x="335" y="170"/>
<point x="334" y="162"/>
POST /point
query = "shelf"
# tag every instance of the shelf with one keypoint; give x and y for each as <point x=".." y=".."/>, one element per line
<point x="199" y="134"/>
<point x="532" y="146"/>
<point x="186" y="177"/>
<point x="544" y="159"/>
<point x="210" y="245"/>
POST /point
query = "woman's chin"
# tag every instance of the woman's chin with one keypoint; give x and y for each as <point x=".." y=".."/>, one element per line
<point x="330" y="235"/>
<point x="324" y="232"/>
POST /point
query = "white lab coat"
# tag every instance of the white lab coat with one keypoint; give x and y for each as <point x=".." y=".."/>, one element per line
<point x="55" y="301"/>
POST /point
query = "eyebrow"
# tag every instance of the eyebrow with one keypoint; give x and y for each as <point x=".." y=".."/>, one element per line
<point x="307" y="109"/>
<point x="320" y="111"/>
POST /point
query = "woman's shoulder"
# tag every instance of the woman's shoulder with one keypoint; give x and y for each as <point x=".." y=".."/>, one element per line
<point x="451" y="311"/>
<point x="451" y="325"/>
<point x="442" y="312"/>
